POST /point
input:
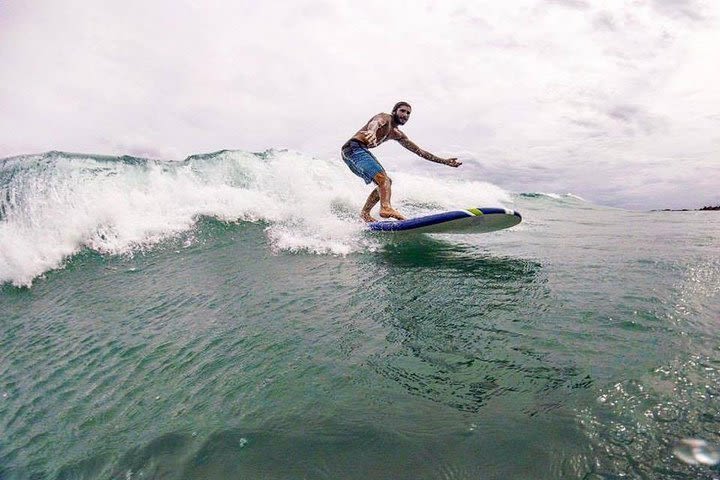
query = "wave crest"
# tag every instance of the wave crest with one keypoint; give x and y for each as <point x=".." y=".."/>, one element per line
<point x="55" y="204"/>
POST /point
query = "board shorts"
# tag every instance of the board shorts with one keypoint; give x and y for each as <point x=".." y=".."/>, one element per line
<point x="361" y="161"/>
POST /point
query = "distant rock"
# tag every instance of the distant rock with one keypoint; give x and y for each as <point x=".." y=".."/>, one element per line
<point x="708" y="208"/>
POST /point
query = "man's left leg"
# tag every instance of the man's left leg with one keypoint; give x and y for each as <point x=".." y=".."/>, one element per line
<point x="372" y="200"/>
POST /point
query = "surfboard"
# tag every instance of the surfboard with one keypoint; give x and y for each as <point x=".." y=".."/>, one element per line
<point x="472" y="220"/>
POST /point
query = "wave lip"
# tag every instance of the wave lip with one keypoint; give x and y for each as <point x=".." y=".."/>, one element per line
<point x="553" y="196"/>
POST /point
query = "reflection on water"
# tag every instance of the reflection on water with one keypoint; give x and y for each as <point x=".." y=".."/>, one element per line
<point x="694" y="451"/>
<point x="431" y="252"/>
<point x="649" y="427"/>
<point x="465" y="323"/>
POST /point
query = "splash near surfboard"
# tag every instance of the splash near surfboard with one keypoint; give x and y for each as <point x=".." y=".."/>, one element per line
<point x="472" y="220"/>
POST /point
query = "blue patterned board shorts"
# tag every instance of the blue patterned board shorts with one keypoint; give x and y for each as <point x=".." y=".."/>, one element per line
<point x="361" y="161"/>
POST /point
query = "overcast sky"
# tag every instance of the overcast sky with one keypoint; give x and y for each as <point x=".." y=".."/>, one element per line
<point x="617" y="101"/>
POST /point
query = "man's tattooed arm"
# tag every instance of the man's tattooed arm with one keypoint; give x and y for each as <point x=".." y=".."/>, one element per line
<point x="405" y="142"/>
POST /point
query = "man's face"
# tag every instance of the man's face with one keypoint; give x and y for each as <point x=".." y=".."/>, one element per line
<point x="402" y="115"/>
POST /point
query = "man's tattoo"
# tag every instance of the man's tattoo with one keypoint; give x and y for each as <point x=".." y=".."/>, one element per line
<point x="419" y="151"/>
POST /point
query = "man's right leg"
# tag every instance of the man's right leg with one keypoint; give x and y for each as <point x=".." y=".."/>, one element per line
<point x="383" y="186"/>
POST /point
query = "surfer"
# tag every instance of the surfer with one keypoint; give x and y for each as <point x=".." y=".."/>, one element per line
<point x="357" y="156"/>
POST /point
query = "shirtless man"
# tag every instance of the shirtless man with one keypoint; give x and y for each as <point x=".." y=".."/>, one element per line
<point x="356" y="155"/>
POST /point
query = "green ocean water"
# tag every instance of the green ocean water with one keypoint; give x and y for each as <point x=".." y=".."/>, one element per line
<point x="581" y="344"/>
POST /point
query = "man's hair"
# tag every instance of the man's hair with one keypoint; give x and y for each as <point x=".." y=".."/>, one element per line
<point x="400" y="104"/>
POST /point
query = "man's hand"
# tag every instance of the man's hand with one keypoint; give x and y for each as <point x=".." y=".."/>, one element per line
<point x="452" y="162"/>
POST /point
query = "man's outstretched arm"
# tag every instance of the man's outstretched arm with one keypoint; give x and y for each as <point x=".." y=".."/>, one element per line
<point x="405" y="142"/>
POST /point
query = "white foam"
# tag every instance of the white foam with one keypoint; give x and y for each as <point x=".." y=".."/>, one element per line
<point x="557" y="196"/>
<point x="57" y="204"/>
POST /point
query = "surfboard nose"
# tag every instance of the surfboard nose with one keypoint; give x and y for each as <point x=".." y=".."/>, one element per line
<point x="506" y="211"/>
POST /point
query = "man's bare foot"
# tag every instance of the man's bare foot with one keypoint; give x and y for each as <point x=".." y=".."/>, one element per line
<point x="367" y="217"/>
<point x="390" y="213"/>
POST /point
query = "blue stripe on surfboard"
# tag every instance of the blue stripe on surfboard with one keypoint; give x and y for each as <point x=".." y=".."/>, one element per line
<point x="412" y="223"/>
<point x="490" y="211"/>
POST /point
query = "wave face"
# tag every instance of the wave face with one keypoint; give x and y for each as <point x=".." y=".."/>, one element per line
<point x="56" y="204"/>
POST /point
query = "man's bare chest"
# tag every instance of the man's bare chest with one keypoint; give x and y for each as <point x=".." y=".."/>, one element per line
<point x="387" y="132"/>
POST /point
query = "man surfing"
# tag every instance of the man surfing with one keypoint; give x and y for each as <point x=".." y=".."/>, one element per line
<point x="357" y="156"/>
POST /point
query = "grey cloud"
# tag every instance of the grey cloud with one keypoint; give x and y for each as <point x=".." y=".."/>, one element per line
<point x="625" y="113"/>
<point x="591" y="129"/>
<point x="585" y="123"/>
<point x="689" y="9"/>
<point x="579" y="4"/>
<point x="605" y="21"/>
<point x="635" y="118"/>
